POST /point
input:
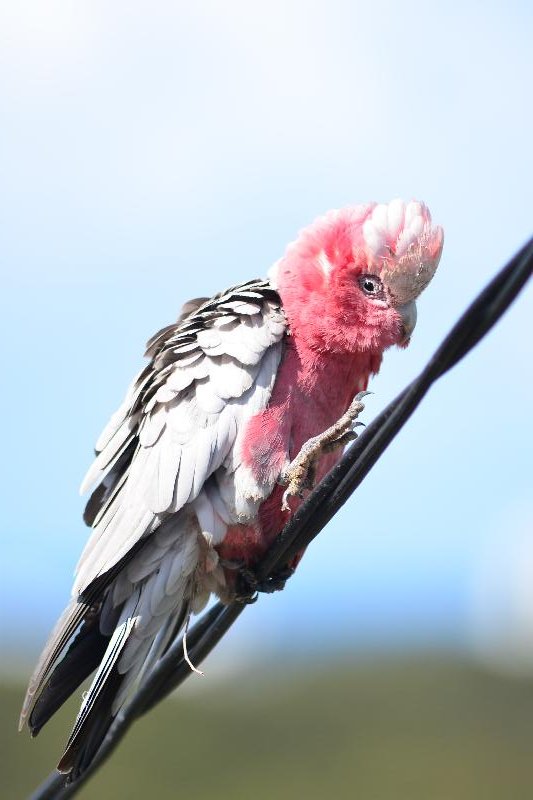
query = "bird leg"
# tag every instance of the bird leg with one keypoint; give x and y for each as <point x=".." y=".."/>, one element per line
<point x="248" y="584"/>
<point x="301" y="472"/>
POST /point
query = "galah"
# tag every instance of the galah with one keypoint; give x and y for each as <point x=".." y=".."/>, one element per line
<point x="245" y="398"/>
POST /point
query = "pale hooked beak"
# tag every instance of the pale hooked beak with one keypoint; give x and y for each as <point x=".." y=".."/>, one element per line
<point x="408" y="314"/>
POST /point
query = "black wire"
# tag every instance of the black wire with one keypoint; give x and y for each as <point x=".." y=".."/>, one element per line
<point x="314" y="513"/>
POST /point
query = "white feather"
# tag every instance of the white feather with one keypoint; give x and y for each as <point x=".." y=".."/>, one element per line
<point x="152" y="426"/>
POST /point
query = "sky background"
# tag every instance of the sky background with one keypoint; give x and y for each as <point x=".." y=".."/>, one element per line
<point x="152" y="152"/>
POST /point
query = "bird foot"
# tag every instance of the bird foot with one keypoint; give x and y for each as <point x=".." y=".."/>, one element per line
<point x="300" y="474"/>
<point x="248" y="584"/>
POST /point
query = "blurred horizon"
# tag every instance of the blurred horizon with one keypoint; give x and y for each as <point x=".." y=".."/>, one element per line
<point x="406" y="727"/>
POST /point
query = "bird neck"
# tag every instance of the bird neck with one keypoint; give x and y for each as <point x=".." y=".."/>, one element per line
<point x="328" y="378"/>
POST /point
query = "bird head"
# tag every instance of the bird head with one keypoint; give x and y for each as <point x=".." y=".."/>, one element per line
<point x="351" y="279"/>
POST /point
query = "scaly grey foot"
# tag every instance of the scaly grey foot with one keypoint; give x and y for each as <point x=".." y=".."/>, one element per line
<point x="300" y="473"/>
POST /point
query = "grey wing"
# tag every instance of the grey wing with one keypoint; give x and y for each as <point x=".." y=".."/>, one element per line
<point x="180" y="423"/>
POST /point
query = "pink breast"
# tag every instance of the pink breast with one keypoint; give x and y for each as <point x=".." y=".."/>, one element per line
<point x="310" y="394"/>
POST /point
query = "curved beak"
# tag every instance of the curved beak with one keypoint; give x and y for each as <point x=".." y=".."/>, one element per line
<point x="408" y="314"/>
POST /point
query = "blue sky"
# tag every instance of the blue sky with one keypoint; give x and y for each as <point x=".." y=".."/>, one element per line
<point x="157" y="151"/>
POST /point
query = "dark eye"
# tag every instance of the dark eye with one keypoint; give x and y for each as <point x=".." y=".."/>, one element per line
<point x="371" y="285"/>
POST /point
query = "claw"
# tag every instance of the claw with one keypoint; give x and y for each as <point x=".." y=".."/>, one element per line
<point x="285" y="500"/>
<point x="250" y="585"/>
<point x="300" y="473"/>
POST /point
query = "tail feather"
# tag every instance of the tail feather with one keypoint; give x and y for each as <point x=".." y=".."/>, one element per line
<point x="119" y="670"/>
<point x="84" y="609"/>
<point x="96" y="713"/>
<point x="82" y="658"/>
<point x="121" y="636"/>
<point x="82" y="748"/>
<point x="66" y="626"/>
<point x="81" y="613"/>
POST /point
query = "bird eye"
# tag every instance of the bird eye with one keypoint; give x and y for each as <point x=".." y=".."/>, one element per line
<point x="371" y="285"/>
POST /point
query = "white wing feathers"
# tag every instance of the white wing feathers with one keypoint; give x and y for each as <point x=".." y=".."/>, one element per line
<point x="209" y="375"/>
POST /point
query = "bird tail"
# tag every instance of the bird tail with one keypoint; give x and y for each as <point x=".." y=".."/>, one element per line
<point x="52" y="682"/>
<point x="96" y="712"/>
<point x="76" y="647"/>
<point x="120" y="643"/>
<point x="118" y="671"/>
<point x="119" y="626"/>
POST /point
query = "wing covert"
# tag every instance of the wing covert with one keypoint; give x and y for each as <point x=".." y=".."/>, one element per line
<point x="180" y="421"/>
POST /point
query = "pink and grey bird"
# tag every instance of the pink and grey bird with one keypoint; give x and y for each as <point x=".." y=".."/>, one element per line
<point x="206" y="458"/>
